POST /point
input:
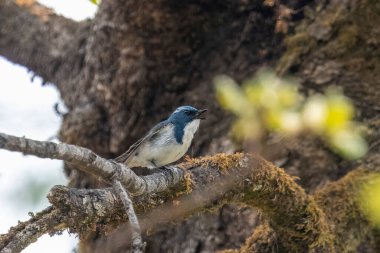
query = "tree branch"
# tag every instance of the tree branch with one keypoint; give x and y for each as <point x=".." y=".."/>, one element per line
<point x="298" y="220"/>
<point x="343" y="209"/>
<point x="137" y="243"/>
<point x="87" y="161"/>
<point x="294" y="215"/>
<point x="34" y="36"/>
<point x="25" y="233"/>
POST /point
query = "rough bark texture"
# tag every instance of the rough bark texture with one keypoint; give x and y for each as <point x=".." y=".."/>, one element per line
<point x="336" y="46"/>
<point x="92" y="164"/>
<point x="126" y="69"/>
<point x="48" y="44"/>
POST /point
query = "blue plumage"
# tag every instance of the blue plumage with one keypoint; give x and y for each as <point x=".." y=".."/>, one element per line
<point x="180" y="118"/>
<point x="166" y="142"/>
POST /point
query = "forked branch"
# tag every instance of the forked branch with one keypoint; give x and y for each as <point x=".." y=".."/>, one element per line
<point x="297" y="218"/>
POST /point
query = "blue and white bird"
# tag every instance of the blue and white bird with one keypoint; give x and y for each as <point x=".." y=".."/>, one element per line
<point x="165" y="143"/>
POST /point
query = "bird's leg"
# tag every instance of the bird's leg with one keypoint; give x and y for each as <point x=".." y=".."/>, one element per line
<point x="154" y="165"/>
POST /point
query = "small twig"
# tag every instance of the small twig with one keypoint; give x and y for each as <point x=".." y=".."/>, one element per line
<point x="137" y="243"/>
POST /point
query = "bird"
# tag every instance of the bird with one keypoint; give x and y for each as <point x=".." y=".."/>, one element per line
<point x="166" y="142"/>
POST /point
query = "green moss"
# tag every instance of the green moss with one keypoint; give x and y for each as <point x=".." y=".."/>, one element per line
<point x="329" y="221"/>
<point x="222" y="161"/>
<point x="292" y="213"/>
<point x="187" y="184"/>
<point x="341" y="204"/>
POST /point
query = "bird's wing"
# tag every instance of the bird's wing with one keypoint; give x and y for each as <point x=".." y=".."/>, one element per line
<point x="127" y="156"/>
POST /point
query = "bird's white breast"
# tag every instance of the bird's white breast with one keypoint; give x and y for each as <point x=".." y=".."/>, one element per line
<point x="165" y="149"/>
<point x="189" y="132"/>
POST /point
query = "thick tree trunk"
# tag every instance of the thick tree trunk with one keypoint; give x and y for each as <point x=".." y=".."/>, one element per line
<point x="124" y="71"/>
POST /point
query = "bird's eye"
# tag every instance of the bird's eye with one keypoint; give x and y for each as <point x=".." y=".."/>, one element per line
<point x="188" y="112"/>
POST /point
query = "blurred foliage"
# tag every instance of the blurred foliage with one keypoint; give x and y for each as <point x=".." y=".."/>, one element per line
<point x="96" y="2"/>
<point x="268" y="103"/>
<point x="370" y="199"/>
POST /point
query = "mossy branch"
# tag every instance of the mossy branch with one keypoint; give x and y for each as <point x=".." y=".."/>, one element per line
<point x="297" y="220"/>
<point x="294" y="216"/>
<point x="340" y="203"/>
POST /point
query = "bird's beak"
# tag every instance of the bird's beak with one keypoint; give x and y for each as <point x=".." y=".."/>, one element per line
<point x="199" y="114"/>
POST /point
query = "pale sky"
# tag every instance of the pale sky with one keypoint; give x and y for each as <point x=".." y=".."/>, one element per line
<point x="26" y="109"/>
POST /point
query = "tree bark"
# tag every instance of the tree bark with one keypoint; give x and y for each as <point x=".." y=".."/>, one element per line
<point x="126" y="69"/>
<point x="48" y="44"/>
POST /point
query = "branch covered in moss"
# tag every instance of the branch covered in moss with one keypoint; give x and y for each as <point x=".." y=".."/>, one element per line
<point x="341" y="202"/>
<point x="298" y="220"/>
<point x="211" y="181"/>
<point x="341" y="205"/>
<point x="293" y="215"/>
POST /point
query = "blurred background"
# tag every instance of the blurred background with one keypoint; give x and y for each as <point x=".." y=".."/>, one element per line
<point x="27" y="109"/>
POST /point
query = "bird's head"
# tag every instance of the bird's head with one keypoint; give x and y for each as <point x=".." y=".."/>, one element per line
<point x="186" y="114"/>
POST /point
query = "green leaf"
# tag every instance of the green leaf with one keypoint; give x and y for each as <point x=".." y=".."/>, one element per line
<point x="370" y="200"/>
<point x="349" y="143"/>
<point x="96" y="2"/>
<point x="231" y="97"/>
